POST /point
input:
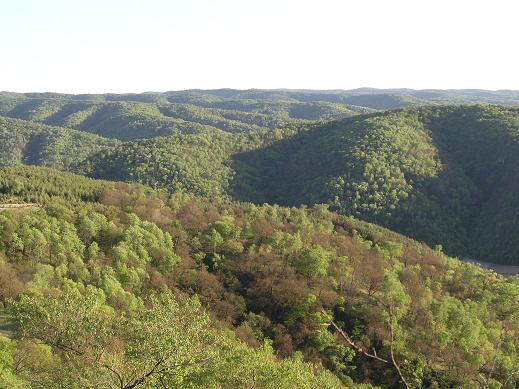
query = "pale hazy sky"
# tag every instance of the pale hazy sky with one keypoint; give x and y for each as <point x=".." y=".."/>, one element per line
<point x="81" y="46"/>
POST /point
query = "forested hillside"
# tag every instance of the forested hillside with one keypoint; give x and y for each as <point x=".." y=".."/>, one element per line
<point x="445" y="175"/>
<point x="118" y="285"/>
<point x="362" y="97"/>
<point x="132" y="116"/>
<point x="127" y="117"/>
<point x="234" y="256"/>
<point x="442" y="174"/>
<point x="36" y="144"/>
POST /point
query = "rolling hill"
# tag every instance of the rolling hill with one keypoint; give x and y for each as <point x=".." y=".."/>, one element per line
<point x="443" y="174"/>
<point x="31" y="143"/>
<point x="253" y="222"/>
<point x="127" y="117"/>
<point x="110" y="277"/>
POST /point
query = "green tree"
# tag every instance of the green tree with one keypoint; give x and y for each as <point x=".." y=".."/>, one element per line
<point x="313" y="262"/>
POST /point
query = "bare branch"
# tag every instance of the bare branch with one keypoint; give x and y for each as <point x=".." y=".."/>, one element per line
<point x="356" y="347"/>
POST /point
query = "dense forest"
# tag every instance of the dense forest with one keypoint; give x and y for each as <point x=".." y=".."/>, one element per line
<point x="442" y="174"/>
<point x="114" y="285"/>
<point x="445" y="175"/>
<point x="259" y="239"/>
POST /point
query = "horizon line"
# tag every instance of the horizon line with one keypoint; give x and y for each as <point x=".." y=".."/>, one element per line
<point x="358" y="89"/>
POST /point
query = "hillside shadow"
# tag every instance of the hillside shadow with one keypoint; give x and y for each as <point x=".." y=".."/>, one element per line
<point x="438" y="210"/>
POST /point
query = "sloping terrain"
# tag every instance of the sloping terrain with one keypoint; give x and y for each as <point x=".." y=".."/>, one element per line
<point x="128" y="117"/>
<point x="292" y="294"/>
<point x="108" y="278"/>
<point x="33" y="143"/>
<point x="446" y="175"/>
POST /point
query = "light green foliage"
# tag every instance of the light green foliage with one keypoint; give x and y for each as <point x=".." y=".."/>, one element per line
<point x="142" y="244"/>
<point x="106" y="268"/>
<point x="8" y="378"/>
<point x="94" y="255"/>
<point x="44" y="239"/>
<point x="115" y="293"/>
<point x="285" y="242"/>
<point x="339" y="356"/>
<point x="313" y="262"/>
<point x="258" y="368"/>
<point x="394" y="294"/>
<point x="390" y="249"/>
<point x="457" y="324"/>
<point x="223" y="236"/>
<point x="98" y="345"/>
<point x="166" y="342"/>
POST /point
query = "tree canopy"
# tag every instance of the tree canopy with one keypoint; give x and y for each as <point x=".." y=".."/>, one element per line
<point x="123" y="286"/>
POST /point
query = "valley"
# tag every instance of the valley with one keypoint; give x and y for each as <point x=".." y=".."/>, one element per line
<point x="505" y="270"/>
<point x="259" y="194"/>
<point x="272" y="238"/>
<point x="442" y="174"/>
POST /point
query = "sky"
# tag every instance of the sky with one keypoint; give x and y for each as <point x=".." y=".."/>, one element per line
<point x="120" y="46"/>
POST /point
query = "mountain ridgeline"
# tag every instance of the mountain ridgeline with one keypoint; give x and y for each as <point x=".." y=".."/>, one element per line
<point x="127" y="117"/>
<point x="442" y="174"/>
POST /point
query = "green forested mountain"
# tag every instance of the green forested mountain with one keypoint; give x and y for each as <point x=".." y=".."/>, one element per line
<point x="127" y="117"/>
<point x="258" y="238"/>
<point x="234" y="256"/>
<point x="36" y="144"/>
<point x="116" y="285"/>
<point x="196" y="162"/>
<point x="445" y="175"/>
<point x="120" y="120"/>
<point x="192" y="163"/>
<point x="441" y="174"/>
<point x="365" y="97"/>
<point x="133" y="116"/>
